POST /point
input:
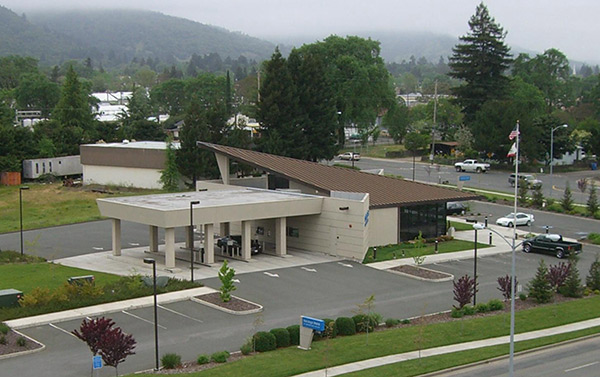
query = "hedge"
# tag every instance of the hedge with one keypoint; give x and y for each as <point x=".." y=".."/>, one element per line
<point x="294" y="332"/>
<point x="282" y="337"/>
<point x="264" y="341"/>
<point x="345" y="326"/>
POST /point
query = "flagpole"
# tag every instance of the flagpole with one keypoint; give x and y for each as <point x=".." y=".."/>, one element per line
<point x="512" y="274"/>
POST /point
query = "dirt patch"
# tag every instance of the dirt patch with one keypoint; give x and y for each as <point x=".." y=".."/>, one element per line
<point x="423" y="273"/>
<point x="235" y="304"/>
<point x="12" y="343"/>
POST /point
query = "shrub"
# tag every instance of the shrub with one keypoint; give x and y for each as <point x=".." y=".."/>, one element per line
<point x="21" y="342"/>
<point x="557" y="274"/>
<point x="539" y="287"/>
<point x="567" y="200"/>
<point x="4" y="328"/>
<point x="171" y="360"/>
<point x="220" y="357"/>
<point x="405" y="321"/>
<point x="362" y="321"/>
<point x="593" y="278"/>
<point x="345" y="326"/>
<point x="264" y="341"/>
<point x="469" y="310"/>
<point x="522" y="296"/>
<point x="494" y="305"/>
<point x="282" y="337"/>
<point x="203" y="359"/>
<point x="464" y="288"/>
<point x="504" y="286"/>
<point x="457" y="313"/>
<point x="482" y="308"/>
<point x="391" y="322"/>
<point x="597" y="291"/>
<point x="3" y="339"/>
<point x="294" y="331"/>
<point x="330" y="330"/>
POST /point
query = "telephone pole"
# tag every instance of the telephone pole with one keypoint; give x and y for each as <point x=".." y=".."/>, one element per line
<point x="434" y="122"/>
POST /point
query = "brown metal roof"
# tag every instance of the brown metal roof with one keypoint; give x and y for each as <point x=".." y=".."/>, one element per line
<point x="384" y="191"/>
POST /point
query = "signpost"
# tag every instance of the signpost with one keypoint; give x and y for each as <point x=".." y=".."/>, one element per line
<point x="97" y="362"/>
<point x="462" y="179"/>
<point x="307" y="327"/>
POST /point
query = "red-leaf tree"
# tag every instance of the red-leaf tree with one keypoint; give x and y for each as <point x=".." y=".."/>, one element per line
<point x="91" y="331"/>
<point x="464" y="289"/>
<point x="115" y="346"/>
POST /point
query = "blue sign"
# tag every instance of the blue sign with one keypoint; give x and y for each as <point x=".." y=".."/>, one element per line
<point x="97" y="362"/>
<point x="366" y="218"/>
<point x="313" y="323"/>
<point x="464" y="178"/>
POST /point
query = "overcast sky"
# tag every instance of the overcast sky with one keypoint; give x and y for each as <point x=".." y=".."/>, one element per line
<point x="570" y="25"/>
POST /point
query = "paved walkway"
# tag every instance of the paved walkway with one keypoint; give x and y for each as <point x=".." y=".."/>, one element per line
<point x="392" y="359"/>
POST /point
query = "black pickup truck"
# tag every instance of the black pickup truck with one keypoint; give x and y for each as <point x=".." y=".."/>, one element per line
<point x="551" y="243"/>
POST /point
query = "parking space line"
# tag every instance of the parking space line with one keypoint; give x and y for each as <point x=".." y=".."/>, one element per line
<point x="181" y="314"/>
<point x="141" y="319"/>
<point x="63" y="330"/>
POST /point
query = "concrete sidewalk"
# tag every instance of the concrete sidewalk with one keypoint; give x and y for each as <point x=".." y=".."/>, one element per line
<point x="392" y="359"/>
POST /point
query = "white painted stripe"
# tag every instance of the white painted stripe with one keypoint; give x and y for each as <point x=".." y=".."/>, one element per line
<point x="581" y="366"/>
<point x="346" y="265"/>
<point x="181" y="314"/>
<point x="98" y="248"/>
<point x="134" y="243"/>
<point x="141" y="319"/>
<point x="63" y="330"/>
<point x="271" y="275"/>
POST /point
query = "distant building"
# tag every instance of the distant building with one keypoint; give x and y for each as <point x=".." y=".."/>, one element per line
<point x="59" y="166"/>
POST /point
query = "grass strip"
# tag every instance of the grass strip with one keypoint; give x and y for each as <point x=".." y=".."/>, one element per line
<point x="342" y="350"/>
<point x="408" y="250"/>
<point x="458" y="226"/>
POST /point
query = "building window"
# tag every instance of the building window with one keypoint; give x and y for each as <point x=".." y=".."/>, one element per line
<point x="293" y="232"/>
<point x="50" y="166"/>
<point x="44" y="167"/>
<point x="37" y="168"/>
<point x="429" y="220"/>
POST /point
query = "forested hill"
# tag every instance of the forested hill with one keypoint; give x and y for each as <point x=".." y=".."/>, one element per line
<point x="114" y="37"/>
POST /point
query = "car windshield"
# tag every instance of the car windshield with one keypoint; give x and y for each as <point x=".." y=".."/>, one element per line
<point x="510" y="215"/>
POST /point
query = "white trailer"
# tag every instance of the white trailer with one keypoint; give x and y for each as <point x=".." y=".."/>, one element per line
<point x="59" y="166"/>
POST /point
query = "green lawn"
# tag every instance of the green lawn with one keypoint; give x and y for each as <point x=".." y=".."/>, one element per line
<point x="377" y="151"/>
<point x="25" y="277"/>
<point x="51" y="204"/>
<point x="343" y="350"/>
<point x="461" y="226"/>
<point x="408" y="250"/>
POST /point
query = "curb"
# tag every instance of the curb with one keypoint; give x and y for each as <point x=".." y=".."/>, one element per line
<point x="450" y="277"/>
<point x="503" y="357"/>
<point x="243" y="312"/>
<point x="27" y="352"/>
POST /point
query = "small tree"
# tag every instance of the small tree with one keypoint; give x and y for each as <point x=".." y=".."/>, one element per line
<point x="537" y="196"/>
<point x="523" y="191"/>
<point x="539" y="287"/>
<point x="567" y="199"/>
<point x="169" y="177"/>
<point x="115" y="346"/>
<point x="504" y="286"/>
<point x="592" y="203"/>
<point x="464" y="289"/>
<point x="593" y="279"/>
<point x="91" y="331"/>
<point x="572" y="286"/>
<point x="557" y="274"/>
<point x="366" y="311"/>
<point x="226" y="275"/>
<point x="418" y="256"/>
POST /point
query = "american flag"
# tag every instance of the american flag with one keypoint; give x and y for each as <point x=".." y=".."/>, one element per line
<point x="514" y="133"/>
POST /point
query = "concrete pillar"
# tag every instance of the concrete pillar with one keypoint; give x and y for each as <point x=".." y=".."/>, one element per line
<point x="153" y="239"/>
<point x="116" y="237"/>
<point x="209" y="244"/>
<point x="224" y="229"/>
<point x="280" y="236"/>
<point x="189" y="239"/>
<point x="246" y="238"/>
<point x="170" y="247"/>
<point x="223" y="163"/>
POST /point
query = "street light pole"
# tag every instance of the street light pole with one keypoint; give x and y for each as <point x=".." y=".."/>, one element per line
<point x="475" y="271"/>
<point x="192" y="203"/>
<point x="552" y="153"/>
<point x="153" y="263"/>
<point x="21" y="212"/>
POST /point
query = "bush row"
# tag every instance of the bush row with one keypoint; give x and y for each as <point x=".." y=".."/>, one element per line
<point x="490" y="306"/>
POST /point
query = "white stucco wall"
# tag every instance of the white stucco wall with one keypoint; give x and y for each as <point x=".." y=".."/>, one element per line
<point x="383" y="229"/>
<point x="120" y="176"/>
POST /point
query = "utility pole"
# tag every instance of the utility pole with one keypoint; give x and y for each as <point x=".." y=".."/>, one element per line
<point x="434" y="121"/>
<point x="258" y="84"/>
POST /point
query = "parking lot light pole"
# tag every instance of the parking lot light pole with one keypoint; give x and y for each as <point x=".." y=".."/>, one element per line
<point x="21" y="212"/>
<point x="513" y="246"/>
<point x="192" y="204"/>
<point x="153" y="263"/>
<point x="475" y="270"/>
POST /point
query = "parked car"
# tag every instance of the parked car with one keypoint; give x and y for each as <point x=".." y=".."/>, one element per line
<point x="472" y="166"/>
<point x="552" y="243"/>
<point x="455" y="208"/>
<point x="350" y="156"/>
<point x="531" y="181"/>
<point x="236" y="241"/>
<point x="521" y="219"/>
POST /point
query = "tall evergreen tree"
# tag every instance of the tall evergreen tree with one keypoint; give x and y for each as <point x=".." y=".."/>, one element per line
<point x="592" y="203"/>
<point x="169" y="176"/>
<point x="480" y="61"/>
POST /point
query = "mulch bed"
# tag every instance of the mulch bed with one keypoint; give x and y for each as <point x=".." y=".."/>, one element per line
<point x="420" y="272"/>
<point x="11" y="345"/>
<point x="235" y="304"/>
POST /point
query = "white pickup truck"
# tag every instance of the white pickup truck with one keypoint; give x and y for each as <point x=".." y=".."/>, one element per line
<point x="472" y="166"/>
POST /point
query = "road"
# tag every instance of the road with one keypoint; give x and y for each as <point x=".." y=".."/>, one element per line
<point x="577" y="359"/>
<point x="334" y="289"/>
<point x="493" y="180"/>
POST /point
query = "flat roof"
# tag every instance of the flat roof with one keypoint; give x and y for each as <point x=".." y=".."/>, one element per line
<point x="161" y="145"/>
<point x="216" y="206"/>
